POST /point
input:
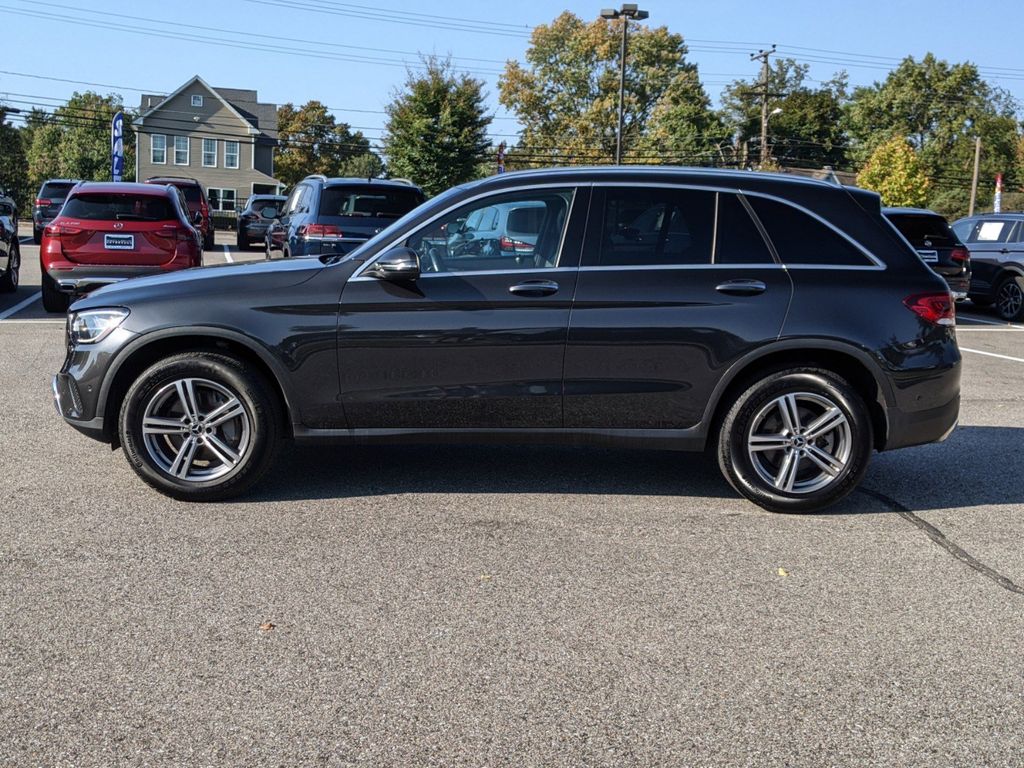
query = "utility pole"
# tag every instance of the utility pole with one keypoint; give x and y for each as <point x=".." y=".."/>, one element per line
<point x="974" y="180"/>
<point x="763" y="56"/>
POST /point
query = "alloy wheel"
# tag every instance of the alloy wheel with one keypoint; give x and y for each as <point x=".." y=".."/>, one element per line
<point x="1010" y="299"/>
<point x="800" y="443"/>
<point x="196" y="430"/>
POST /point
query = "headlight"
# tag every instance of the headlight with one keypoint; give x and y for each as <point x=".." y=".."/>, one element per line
<point x="92" y="325"/>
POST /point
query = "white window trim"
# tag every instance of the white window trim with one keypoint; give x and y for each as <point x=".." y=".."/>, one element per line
<point x="197" y="100"/>
<point x="151" y="149"/>
<point x="220" y="198"/>
<point x="214" y="163"/>
<point x="238" y="155"/>
<point x="188" y="150"/>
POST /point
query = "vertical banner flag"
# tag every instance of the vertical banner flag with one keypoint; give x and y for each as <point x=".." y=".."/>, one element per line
<point x="997" y="204"/>
<point x="117" y="146"/>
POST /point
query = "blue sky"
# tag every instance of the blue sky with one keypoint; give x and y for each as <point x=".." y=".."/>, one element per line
<point x="363" y="47"/>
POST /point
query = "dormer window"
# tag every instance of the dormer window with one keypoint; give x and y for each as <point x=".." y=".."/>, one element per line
<point x="197" y="100"/>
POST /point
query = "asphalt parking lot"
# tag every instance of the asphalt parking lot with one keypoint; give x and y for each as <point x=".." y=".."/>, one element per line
<point x="529" y="606"/>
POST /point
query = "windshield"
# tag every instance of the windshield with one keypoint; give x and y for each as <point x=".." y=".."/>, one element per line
<point x="121" y="207"/>
<point x="368" y="201"/>
<point x="390" y="232"/>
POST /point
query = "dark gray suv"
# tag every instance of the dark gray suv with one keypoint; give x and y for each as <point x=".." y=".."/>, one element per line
<point x="996" y="243"/>
<point x="783" y="324"/>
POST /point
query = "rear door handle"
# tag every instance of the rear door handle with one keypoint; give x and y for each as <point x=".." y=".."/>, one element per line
<point x="741" y="287"/>
<point x="534" y="288"/>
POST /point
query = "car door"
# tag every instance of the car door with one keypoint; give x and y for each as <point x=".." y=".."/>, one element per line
<point x="477" y="341"/>
<point x="675" y="285"/>
<point x="992" y="243"/>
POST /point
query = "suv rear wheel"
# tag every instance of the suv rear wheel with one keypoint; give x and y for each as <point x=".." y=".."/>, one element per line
<point x="1010" y="298"/>
<point x="9" y="281"/>
<point x="200" y="426"/>
<point x="53" y="299"/>
<point x="797" y="440"/>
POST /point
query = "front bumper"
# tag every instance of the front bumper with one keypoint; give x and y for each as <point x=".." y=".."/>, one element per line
<point x="67" y="398"/>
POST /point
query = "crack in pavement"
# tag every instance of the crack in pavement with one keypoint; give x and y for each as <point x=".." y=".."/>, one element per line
<point x="939" y="538"/>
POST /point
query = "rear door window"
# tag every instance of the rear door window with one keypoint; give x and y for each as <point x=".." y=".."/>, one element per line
<point x="737" y="238"/>
<point x="802" y="239"/>
<point x="118" y="207"/>
<point x="643" y="227"/>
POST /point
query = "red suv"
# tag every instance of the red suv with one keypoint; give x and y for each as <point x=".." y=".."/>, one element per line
<point x="195" y="196"/>
<point x="109" y="232"/>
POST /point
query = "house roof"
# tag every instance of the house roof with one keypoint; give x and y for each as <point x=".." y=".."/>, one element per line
<point x="259" y="118"/>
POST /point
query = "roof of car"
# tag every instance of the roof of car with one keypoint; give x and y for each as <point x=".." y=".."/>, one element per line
<point x="374" y="182"/>
<point x="61" y="181"/>
<point x="1014" y="215"/>
<point x="169" y="179"/>
<point x="121" y="187"/>
<point x="613" y="172"/>
<point x="910" y="211"/>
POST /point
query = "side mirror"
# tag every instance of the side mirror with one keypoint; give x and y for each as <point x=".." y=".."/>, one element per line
<point x="197" y="217"/>
<point x="399" y="265"/>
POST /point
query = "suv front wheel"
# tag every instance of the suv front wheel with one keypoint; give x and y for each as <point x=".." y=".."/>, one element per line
<point x="200" y="426"/>
<point x="797" y="440"/>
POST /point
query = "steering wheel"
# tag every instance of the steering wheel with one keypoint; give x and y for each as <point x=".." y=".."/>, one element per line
<point x="435" y="259"/>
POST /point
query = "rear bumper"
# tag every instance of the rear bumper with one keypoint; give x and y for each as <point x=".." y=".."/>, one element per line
<point x="78" y="280"/>
<point x="919" y="427"/>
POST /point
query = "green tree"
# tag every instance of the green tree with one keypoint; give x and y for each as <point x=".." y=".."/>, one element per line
<point x="807" y="132"/>
<point x="436" y="132"/>
<point x="312" y="141"/>
<point x="939" y="108"/>
<point x="567" y="96"/>
<point x="13" y="164"/>
<point x="365" y="166"/>
<point x="894" y="172"/>
<point x="44" y="154"/>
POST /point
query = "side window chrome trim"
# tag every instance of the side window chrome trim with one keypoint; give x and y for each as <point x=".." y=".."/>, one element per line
<point x="478" y="273"/>
<point x="662" y="267"/>
<point x="573" y="188"/>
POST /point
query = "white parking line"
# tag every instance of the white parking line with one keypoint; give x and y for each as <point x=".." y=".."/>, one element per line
<point x="993" y="354"/>
<point x="227" y="255"/>
<point x="989" y="322"/>
<point x="968" y="328"/>
<point x="20" y="306"/>
<point x="34" y="321"/>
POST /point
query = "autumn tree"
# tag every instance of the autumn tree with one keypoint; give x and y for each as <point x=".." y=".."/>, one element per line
<point x="436" y="131"/>
<point x="939" y="108"/>
<point x="895" y="172"/>
<point x="312" y="141"/>
<point x="566" y="96"/>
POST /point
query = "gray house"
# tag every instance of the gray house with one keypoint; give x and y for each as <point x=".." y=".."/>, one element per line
<point x="223" y="137"/>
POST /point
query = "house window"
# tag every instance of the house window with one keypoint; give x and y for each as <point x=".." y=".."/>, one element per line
<point x="158" y="149"/>
<point x="209" y="153"/>
<point x="221" y="199"/>
<point x="181" y="150"/>
<point x="197" y="100"/>
<point x="230" y="154"/>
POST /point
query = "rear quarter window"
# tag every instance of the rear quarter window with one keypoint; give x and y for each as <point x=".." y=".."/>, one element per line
<point x="801" y="239"/>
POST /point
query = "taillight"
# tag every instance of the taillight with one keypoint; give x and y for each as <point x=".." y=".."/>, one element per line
<point x="320" y="231"/>
<point x="42" y="202"/>
<point x="934" y="308"/>
<point x="56" y="230"/>
<point x="519" y="246"/>
<point x="960" y="254"/>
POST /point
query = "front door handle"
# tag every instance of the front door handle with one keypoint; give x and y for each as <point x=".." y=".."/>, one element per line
<point x="534" y="288"/>
<point x="741" y="287"/>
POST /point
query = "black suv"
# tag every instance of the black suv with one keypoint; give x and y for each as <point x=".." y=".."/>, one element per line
<point x="325" y="216"/>
<point x="782" y="323"/>
<point x="996" y="242"/>
<point x="254" y="220"/>
<point x="938" y="246"/>
<point x="10" y="251"/>
<point x="48" y="203"/>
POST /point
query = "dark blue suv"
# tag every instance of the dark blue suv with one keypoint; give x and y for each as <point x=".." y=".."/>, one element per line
<point x="325" y="216"/>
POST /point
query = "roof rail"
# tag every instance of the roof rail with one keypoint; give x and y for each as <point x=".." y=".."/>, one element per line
<point x="403" y="181"/>
<point x="318" y="176"/>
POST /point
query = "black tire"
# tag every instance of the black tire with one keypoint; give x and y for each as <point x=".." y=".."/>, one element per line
<point x="1009" y="298"/>
<point x="756" y="406"/>
<point x="980" y="301"/>
<point x="9" y="281"/>
<point x="256" y="443"/>
<point x="208" y="243"/>
<point x="241" y="243"/>
<point x="53" y="299"/>
<point x="37" y="236"/>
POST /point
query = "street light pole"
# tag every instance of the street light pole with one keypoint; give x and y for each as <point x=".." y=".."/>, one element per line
<point x="627" y="12"/>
